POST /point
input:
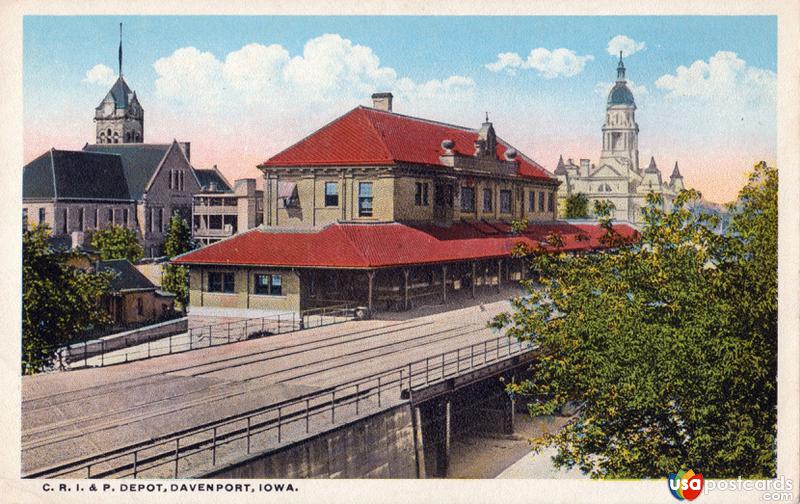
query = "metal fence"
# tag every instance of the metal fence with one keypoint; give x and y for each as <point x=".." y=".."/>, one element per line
<point x="81" y="356"/>
<point x="199" y="448"/>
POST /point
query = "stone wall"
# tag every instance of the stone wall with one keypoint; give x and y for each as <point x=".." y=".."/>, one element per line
<point x="376" y="446"/>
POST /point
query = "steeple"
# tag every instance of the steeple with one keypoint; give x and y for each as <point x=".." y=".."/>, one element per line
<point x="119" y="118"/>
<point x="120" y="49"/>
<point x="620" y="69"/>
<point x="676" y="179"/>
<point x="620" y="131"/>
<point x="560" y="168"/>
<point x="676" y="173"/>
<point x="651" y="168"/>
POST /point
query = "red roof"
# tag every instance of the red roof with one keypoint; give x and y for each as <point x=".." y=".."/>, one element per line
<point x="388" y="244"/>
<point x="366" y="136"/>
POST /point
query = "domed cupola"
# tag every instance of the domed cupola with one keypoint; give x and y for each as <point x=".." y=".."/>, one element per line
<point x="620" y="94"/>
<point x="620" y="131"/>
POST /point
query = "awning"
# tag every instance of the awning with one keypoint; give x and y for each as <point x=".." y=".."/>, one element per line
<point x="286" y="189"/>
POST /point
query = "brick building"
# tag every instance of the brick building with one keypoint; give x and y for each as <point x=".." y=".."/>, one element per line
<point x="220" y="210"/>
<point x="384" y="210"/>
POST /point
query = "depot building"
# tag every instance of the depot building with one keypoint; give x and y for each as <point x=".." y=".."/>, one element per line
<point x="384" y="211"/>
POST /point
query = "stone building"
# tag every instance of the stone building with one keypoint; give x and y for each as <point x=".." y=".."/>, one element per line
<point x="617" y="177"/>
<point x="118" y="180"/>
<point x="119" y="118"/>
<point x="220" y="211"/>
<point x="386" y="211"/>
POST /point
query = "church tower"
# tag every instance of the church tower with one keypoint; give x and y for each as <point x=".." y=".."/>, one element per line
<point x="119" y="117"/>
<point x="620" y="131"/>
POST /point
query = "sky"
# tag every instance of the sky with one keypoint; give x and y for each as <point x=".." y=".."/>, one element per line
<point x="242" y="89"/>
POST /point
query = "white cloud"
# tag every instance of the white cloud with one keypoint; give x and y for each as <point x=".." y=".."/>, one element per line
<point x="254" y="66"/>
<point x="724" y="78"/>
<point x="508" y="61"/>
<point x="625" y="44"/>
<point x="549" y="64"/>
<point x="188" y="75"/>
<point x="100" y="74"/>
<point x="331" y="70"/>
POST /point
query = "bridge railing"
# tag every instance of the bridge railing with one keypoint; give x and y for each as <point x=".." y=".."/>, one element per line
<point x="79" y="356"/>
<point x="182" y="453"/>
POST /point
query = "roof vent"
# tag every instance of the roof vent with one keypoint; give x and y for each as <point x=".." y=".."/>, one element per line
<point x="448" y="146"/>
<point x="212" y="186"/>
<point x="511" y="154"/>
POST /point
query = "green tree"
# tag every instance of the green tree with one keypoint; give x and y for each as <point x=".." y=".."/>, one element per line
<point x="178" y="241"/>
<point x="117" y="242"/>
<point x="59" y="301"/>
<point x="577" y="206"/>
<point x="666" y="349"/>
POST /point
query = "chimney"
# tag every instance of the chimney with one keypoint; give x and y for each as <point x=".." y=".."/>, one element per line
<point x="585" y="167"/>
<point x="382" y="101"/>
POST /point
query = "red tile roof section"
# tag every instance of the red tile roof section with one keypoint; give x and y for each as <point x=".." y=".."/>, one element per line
<point x="366" y="136"/>
<point x="385" y="245"/>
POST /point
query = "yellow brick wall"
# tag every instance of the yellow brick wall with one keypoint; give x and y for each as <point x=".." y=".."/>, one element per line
<point x="244" y="296"/>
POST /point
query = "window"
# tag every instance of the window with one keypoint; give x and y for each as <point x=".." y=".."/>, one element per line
<point x="549" y="202"/>
<point x="220" y="282"/>
<point x="216" y="201"/>
<point x="365" y="199"/>
<point x="487" y="200"/>
<point x="230" y="220"/>
<point x="541" y="201"/>
<point x="331" y="194"/>
<point x="97" y="218"/>
<point x="231" y="202"/>
<point x="25" y="219"/>
<point x="139" y="307"/>
<point x="421" y="194"/>
<point x="171" y="179"/>
<point x="41" y="215"/>
<point x="467" y="199"/>
<point x="161" y="219"/>
<point x="268" y="285"/>
<point x="214" y="222"/>
<point x="65" y="223"/>
<point x="531" y="201"/>
<point x="110" y="216"/>
<point x="81" y="217"/>
<point x="125" y="217"/>
<point x="505" y="201"/>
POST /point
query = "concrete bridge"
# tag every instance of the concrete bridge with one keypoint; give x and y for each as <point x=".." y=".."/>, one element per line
<point x="377" y="398"/>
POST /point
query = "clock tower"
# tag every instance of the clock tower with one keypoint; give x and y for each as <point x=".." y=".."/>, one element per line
<point x="620" y="131"/>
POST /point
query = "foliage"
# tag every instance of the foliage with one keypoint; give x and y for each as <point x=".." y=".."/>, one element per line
<point x="117" y="242"/>
<point x="668" y="347"/>
<point x="59" y="301"/>
<point x="177" y="241"/>
<point x="176" y="280"/>
<point x="577" y="206"/>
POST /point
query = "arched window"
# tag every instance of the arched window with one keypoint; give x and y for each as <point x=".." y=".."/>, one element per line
<point x="108" y="132"/>
<point x="102" y="138"/>
<point x="116" y="137"/>
<point x="127" y="136"/>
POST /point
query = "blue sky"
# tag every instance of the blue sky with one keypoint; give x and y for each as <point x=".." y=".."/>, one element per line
<point x="237" y="113"/>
